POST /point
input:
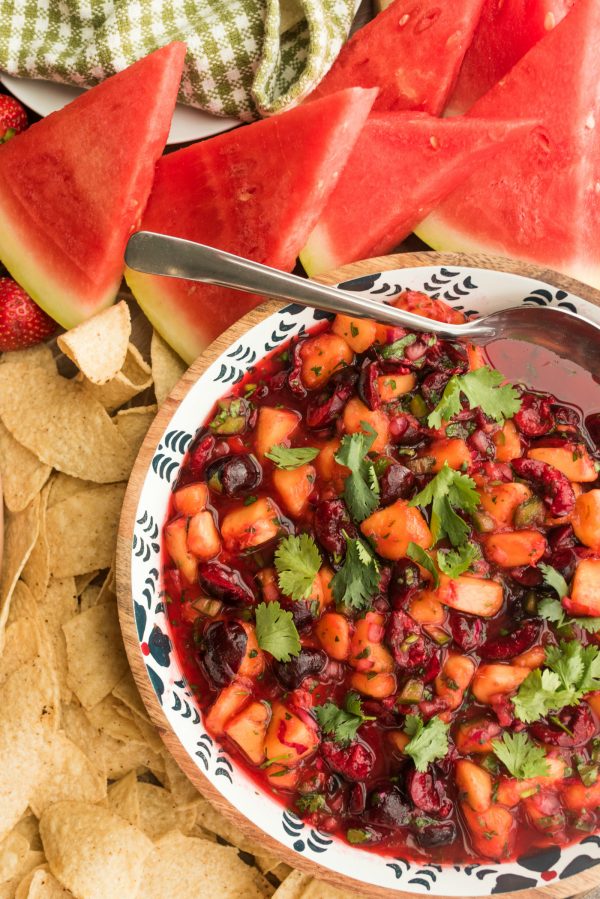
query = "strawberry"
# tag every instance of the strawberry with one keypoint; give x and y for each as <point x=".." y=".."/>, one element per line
<point x="13" y="118"/>
<point x="22" y="322"/>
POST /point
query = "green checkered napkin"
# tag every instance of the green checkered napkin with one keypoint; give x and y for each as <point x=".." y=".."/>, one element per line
<point x="246" y="58"/>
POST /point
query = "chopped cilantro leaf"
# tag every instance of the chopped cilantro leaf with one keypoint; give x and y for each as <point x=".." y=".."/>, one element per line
<point x="417" y="554"/>
<point x="571" y="671"/>
<point x="341" y="723"/>
<point x="276" y="632"/>
<point x="310" y="802"/>
<point x="455" y="562"/>
<point x="361" y="487"/>
<point x="521" y="756"/>
<point x="554" y="579"/>
<point x="428" y="742"/>
<point x="357" y="581"/>
<point x="449" y="490"/>
<point x="483" y="388"/>
<point x="395" y="351"/>
<point x="552" y="610"/>
<point x="292" y="457"/>
<point x="297" y="561"/>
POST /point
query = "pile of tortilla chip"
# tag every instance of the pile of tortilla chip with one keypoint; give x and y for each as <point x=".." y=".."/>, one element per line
<point x="91" y="803"/>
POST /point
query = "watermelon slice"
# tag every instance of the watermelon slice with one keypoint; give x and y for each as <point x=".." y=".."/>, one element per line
<point x="402" y="166"/>
<point x="539" y="200"/>
<point x="256" y="191"/>
<point x="411" y="51"/>
<point x="506" y="31"/>
<point x="73" y="186"/>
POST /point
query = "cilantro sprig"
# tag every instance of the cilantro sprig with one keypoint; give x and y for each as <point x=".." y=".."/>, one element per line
<point x="357" y="581"/>
<point x="276" y="632"/>
<point x="290" y="457"/>
<point x="361" y="487"/>
<point x="554" y="579"/>
<point x="521" y="756"/>
<point x="449" y="490"/>
<point x="571" y="671"/>
<point x="342" y="723"/>
<point x="455" y="562"/>
<point x="482" y="388"/>
<point x="552" y="610"/>
<point x="428" y="741"/>
<point x="297" y="560"/>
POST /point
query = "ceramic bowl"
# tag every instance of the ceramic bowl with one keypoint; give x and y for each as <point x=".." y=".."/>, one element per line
<point x="474" y="289"/>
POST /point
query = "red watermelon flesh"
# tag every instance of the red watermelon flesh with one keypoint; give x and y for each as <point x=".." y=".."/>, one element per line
<point x="74" y="185"/>
<point x="402" y="166"/>
<point x="507" y="29"/>
<point x="256" y="191"/>
<point x="539" y="200"/>
<point x="411" y="51"/>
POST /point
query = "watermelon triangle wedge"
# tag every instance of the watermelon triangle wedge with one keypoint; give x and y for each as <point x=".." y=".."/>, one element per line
<point x="539" y="199"/>
<point x="411" y="51"/>
<point x="74" y="185"/>
<point x="505" y="32"/>
<point x="402" y="166"/>
<point x="256" y="191"/>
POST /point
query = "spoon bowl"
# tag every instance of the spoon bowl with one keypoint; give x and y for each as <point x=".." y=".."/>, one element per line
<point x="565" y="333"/>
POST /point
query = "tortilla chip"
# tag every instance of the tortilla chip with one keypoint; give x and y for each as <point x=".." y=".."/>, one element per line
<point x="82" y="581"/>
<point x="36" y="573"/>
<point x="98" y="346"/>
<point x="127" y="692"/>
<point x="82" y="530"/>
<point x="58" y="606"/>
<point x="67" y="774"/>
<point x="147" y="731"/>
<point x="28" y="827"/>
<point x="188" y="867"/>
<point x="89" y="597"/>
<point x="93" y="852"/>
<point x="64" y="486"/>
<point x="58" y="421"/>
<point x="123" y="798"/>
<point x="167" y="367"/>
<point x="108" y="588"/>
<point x="106" y="718"/>
<point x="95" y="653"/>
<point x="159" y="813"/>
<point x="41" y="884"/>
<point x="28" y="720"/>
<point x="13" y="849"/>
<point x="302" y="886"/>
<point x="134" y="377"/>
<point x="133" y="424"/>
<point x="23" y="475"/>
<point x="183" y="790"/>
<point x="20" y="533"/>
<point x="210" y="818"/>
<point x="22" y="605"/>
<point x="40" y="356"/>
<point x="22" y="644"/>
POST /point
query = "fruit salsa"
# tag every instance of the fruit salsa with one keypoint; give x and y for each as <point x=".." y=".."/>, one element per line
<point x="382" y="571"/>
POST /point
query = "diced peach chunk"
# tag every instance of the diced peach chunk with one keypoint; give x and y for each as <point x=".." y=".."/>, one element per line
<point x="203" y="538"/>
<point x="454" y="678"/>
<point x="253" y="662"/>
<point x="323" y="356"/>
<point x="326" y="576"/>
<point x="502" y="500"/>
<point x="427" y="609"/>
<point x="393" y="528"/>
<point x="573" y="460"/>
<point x="295" y="487"/>
<point x="474" y="785"/>
<point x="328" y="468"/>
<point x="378" y="686"/>
<point x="333" y="633"/>
<point x="248" y="729"/>
<point x="515" y="548"/>
<point x="176" y="543"/>
<point x="494" y="680"/>
<point x="356" y="415"/>
<point x="389" y="387"/>
<point x="283" y="778"/>
<point x="367" y="652"/>
<point x="474" y="737"/>
<point x="473" y="595"/>
<point x="274" y="426"/>
<point x="578" y="797"/>
<point x="359" y="333"/>
<point x="290" y="738"/>
<point x="508" y="443"/>
<point x="428" y="307"/>
<point x="586" y="518"/>
<point x="228" y="703"/>
<point x="191" y="499"/>
<point x="398" y="739"/>
<point x="492" y="831"/>
<point x="510" y="791"/>
<point x="251" y="525"/>
<point x="531" y="658"/>
<point x="450" y="450"/>
<point x="585" y="589"/>
<point x="267" y="578"/>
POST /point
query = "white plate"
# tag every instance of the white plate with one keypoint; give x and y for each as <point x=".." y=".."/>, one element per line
<point x="45" y="97"/>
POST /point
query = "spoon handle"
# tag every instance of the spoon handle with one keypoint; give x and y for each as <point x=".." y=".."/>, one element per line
<point x="158" y="254"/>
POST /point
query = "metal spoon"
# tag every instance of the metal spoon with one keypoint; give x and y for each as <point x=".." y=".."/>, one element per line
<point x="570" y="336"/>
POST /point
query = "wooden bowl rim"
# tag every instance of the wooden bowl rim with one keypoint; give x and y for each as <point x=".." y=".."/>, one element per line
<point x="571" y="886"/>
